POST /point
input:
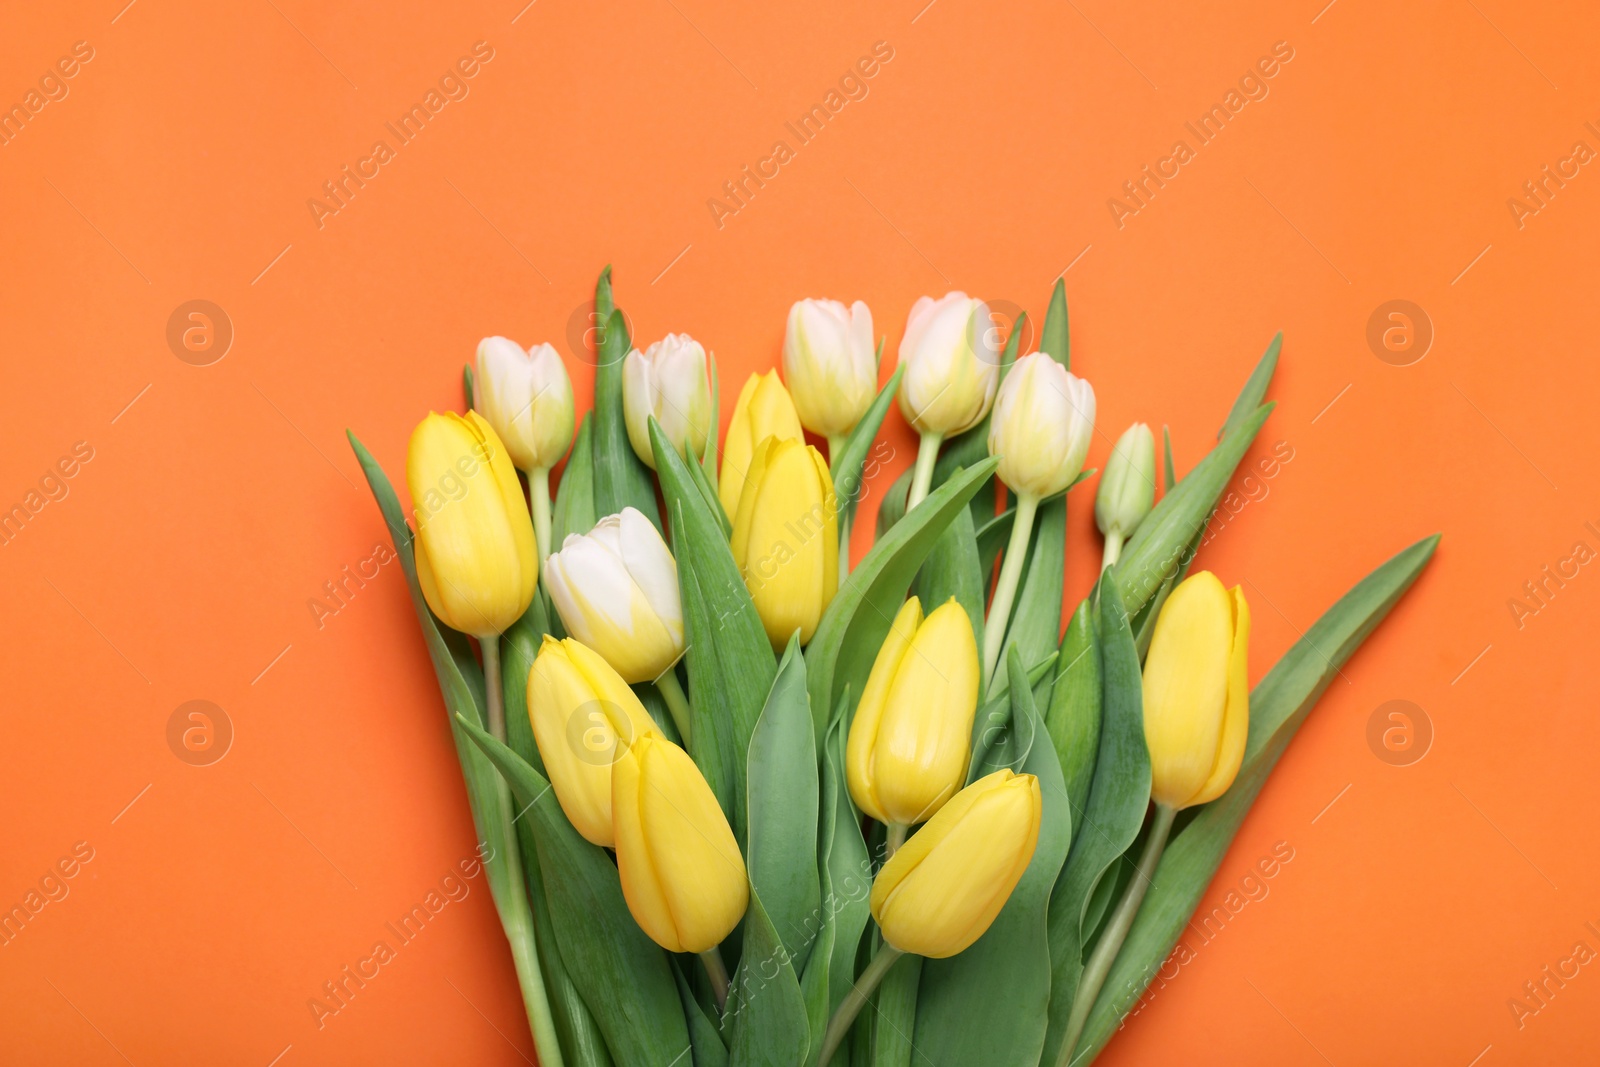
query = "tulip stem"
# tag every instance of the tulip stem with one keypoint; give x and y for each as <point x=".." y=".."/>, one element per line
<point x="717" y="971"/>
<point x="671" y="691"/>
<point x="856" y="999"/>
<point x="846" y="508"/>
<point x="491" y="683"/>
<point x="539" y="490"/>
<point x="1113" y="549"/>
<point x="896" y="838"/>
<point x="1005" y="590"/>
<point x="922" y="478"/>
<point x="1110" y="943"/>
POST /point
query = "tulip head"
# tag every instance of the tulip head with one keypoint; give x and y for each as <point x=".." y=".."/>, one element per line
<point x="764" y="409"/>
<point x="830" y="365"/>
<point x="1128" y="487"/>
<point x="584" y="717"/>
<point x="668" y="381"/>
<point x="786" y="537"/>
<point x="1197" y="692"/>
<point x="527" y="398"/>
<point x="476" y="562"/>
<point x="616" y="590"/>
<point x="940" y="891"/>
<point x="911" y="739"/>
<point x="1043" y="419"/>
<point x="951" y="364"/>
<point x="681" y="871"/>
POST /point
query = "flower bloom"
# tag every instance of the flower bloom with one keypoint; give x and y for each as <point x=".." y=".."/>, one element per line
<point x="764" y="409"/>
<point x="1043" y="419"/>
<point x="527" y="398"/>
<point x="830" y="365"/>
<point x="951" y="364"/>
<point x="786" y="538"/>
<point x="668" y="381"/>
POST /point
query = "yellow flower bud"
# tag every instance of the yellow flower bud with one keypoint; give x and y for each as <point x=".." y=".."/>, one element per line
<point x="1128" y="487"/>
<point x="830" y="365"/>
<point x="1197" y="692"/>
<point x="764" y="409"/>
<point x="474" y="546"/>
<point x="786" y="537"/>
<point x="616" y="590"/>
<point x="1043" y="419"/>
<point x="681" y="871"/>
<point x="942" y="889"/>
<point x="911" y="739"/>
<point x="951" y="364"/>
<point x="527" y="398"/>
<point x="577" y="705"/>
<point x="668" y="381"/>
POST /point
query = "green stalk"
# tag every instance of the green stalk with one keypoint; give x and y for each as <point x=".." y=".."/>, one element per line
<point x="671" y="691"/>
<point x="922" y="478"/>
<point x="896" y="838"/>
<point x="1110" y="943"/>
<point x="539" y="487"/>
<point x="846" y="508"/>
<point x="717" y="971"/>
<point x="516" y="917"/>
<point x="1114" y="541"/>
<point x="1005" y="591"/>
<point x="856" y="999"/>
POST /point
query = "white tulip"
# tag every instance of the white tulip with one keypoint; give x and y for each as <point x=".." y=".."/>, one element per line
<point x="829" y="365"/>
<point x="527" y="398"/>
<point x="1043" y="419"/>
<point x="668" y="381"/>
<point x="951" y="364"/>
<point x="616" y="590"/>
<point x="1128" y="487"/>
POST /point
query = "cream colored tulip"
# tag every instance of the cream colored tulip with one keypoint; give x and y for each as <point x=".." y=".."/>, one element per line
<point x="667" y="381"/>
<point x="829" y="365"/>
<point x="951" y="364"/>
<point x="527" y="398"/>
<point x="1043" y="420"/>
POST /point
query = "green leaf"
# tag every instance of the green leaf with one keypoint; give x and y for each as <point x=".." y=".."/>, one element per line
<point x="1118" y="798"/>
<point x="620" y="478"/>
<point x="951" y="570"/>
<point x="1035" y="625"/>
<point x="987" y="1005"/>
<point x="1170" y="472"/>
<point x="730" y="661"/>
<point x="846" y="874"/>
<point x="708" y="454"/>
<point x="1278" y="705"/>
<point x="894" y="1018"/>
<point x="783" y="785"/>
<point x="622" y="974"/>
<point x="767" y="1011"/>
<point x="574" y="505"/>
<point x="466" y="383"/>
<point x="1255" y="388"/>
<point x="702" y="482"/>
<point x="1055" y="338"/>
<point x="859" y="616"/>
<point x="991" y="724"/>
<point x="847" y="467"/>
<point x="704" y="1038"/>
<point x="1073" y="719"/>
<point x="1157" y="546"/>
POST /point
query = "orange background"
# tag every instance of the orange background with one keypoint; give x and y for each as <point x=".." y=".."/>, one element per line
<point x="180" y="565"/>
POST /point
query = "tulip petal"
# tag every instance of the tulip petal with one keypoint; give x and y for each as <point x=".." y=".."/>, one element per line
<point x="1236" y="717"/>
<point x="576" y="740"/>
<point x="862" y="745"/>
<point x="737" y="448"/>
<point x="1186" y="688"/>
<point x="641" y="885"/>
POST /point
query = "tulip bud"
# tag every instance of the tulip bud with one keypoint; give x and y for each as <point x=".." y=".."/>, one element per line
<point x="1043" y="419"/>
<point x="681" y="871"/>
<point x="527" y="398"/>
<point x="911" y="739"/>
<point x="668" y="381"/>
<point x="1128" y="487"/>
<point x="764" y="409"/>
<point x="786" y="538"/>
<point x="951" y="364"/>
<point x="940" y="891"/>
<point x="578" y="706"/>
<point x="830" y="365"/>
<point x="1197" y="692"/>
<point x="475" y="555"/>
<point x="616" y="590"/>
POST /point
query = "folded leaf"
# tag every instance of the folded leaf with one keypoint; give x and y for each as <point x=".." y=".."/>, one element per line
<point x="951" y="570"/>
<point x="1255" y="388"/>
<point x="1278" y="705"/>
<point x="1073" y="721"/>
<point x="574" y="505"/>
<point x="1035" y="625"/>
<point x="848" y="466"/>
<point x="894" y="1018"/>
<point x="1055" y="338"/>
<point x="766" y="1011"/>
<point x="704" y="1038"/>
<point x="620" y="477"/>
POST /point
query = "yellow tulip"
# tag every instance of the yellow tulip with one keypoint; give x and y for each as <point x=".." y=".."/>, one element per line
<point x="577" y="705"/>
<point x="475" y="553"/>
<point x="942" y="889"/>
<point x="682" y="874"/>
<point x="764" y="409"/>
<point x="911" y="739"/>
<point x="786" y="539"/>
<point x="1197" y="692"/>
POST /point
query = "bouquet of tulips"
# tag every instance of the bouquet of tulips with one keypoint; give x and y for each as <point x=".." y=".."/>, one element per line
<point x="742" y="804"/>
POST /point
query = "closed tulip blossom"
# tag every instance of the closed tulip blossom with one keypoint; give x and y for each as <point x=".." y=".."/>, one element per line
<point x="667" y="381"/>
<point x="1127" y="489"/>
<point x="583" y="715"/>
<point x="1196" y="722"/>
<point x="830" y="366"/>
<point x="527" y="398"/>
<point x="911" y="739"/>
<point x="681" y="871"/>
<point x="951" y="370"/>
<point x="616" y="590"/>
<point x="785" y="538"/>
<point x="1040" y="429"/>
<point x="764" y="409"/>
